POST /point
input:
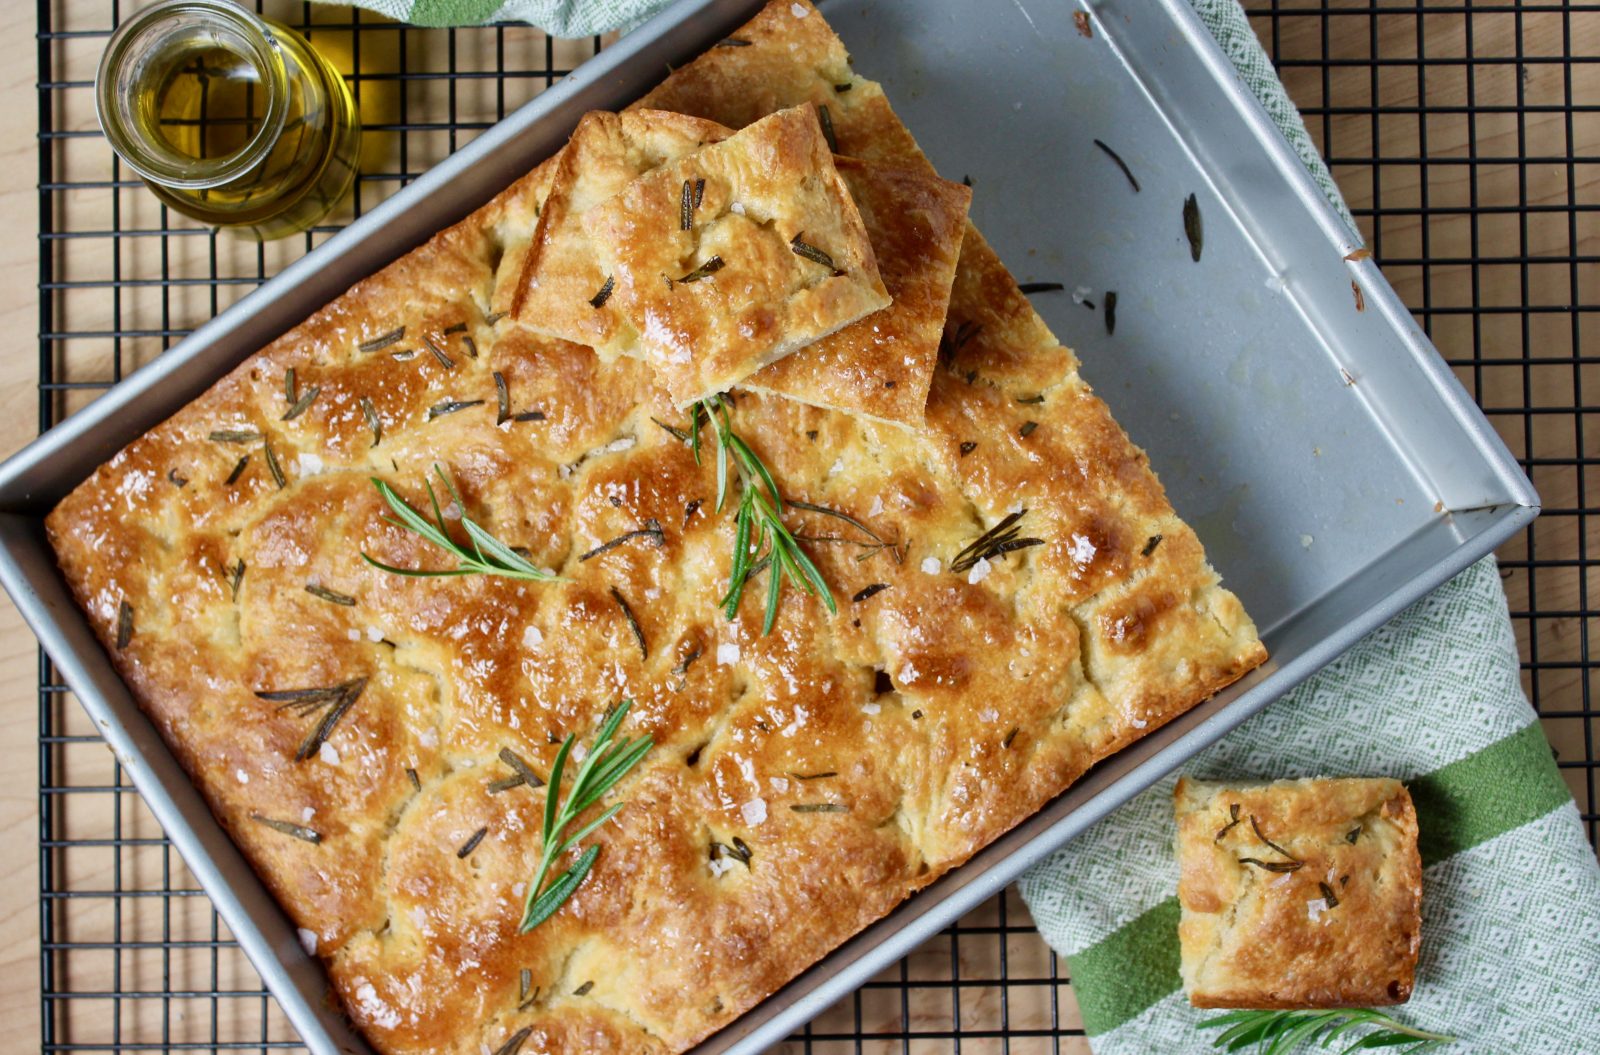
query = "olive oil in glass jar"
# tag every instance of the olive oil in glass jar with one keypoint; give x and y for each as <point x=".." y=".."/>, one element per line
<point x="230" y="118"/>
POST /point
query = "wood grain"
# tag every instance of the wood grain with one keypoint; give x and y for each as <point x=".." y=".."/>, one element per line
<point x="1401" y="233"/>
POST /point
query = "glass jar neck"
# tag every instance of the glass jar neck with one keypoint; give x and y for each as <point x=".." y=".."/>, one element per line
<point x="125" y="69"/>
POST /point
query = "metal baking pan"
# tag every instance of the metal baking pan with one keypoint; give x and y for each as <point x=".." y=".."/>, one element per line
<point x="1331" y="464"/>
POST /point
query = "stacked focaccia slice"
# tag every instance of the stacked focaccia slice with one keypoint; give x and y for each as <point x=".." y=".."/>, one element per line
<point x="715" y="256"/>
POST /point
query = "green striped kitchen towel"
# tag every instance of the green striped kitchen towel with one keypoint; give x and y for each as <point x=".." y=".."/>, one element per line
<point x="1511" y="889"/>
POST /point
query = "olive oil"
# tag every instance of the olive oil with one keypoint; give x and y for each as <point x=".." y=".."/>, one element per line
<point x="230" y="118"/>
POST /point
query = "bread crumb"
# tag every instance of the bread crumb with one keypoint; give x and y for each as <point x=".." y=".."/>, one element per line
<point x="798" y="10"/>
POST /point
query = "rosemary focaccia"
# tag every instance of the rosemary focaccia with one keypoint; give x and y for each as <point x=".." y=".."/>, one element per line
<point x="563" y="290"/>
<point x="737" y="255"/>
<point x="1299" y="893"/>
<point x="1001" y="599"/>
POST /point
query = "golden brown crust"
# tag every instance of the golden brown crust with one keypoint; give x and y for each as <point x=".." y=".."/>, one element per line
<point x="883" y="365"/>
<point x="1002" y="689"/>
<point x="1339" y="929"/>
<point x="716" y="299"/>
<point x="562" y="276"/>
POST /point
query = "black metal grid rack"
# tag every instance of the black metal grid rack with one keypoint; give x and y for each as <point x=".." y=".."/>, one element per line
<point x="1464" y="137"/>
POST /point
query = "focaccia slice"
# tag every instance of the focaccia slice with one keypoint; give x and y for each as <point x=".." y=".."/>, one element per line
<point x="1299" y="893"/>
<point x="766" y="256"/>
<point x="559" y="293"/>
<point x="883" y="365"/>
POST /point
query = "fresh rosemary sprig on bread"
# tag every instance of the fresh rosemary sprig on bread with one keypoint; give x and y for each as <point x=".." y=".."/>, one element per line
<point x="488" y="555"/>
<point x="1280" y="1032"/>
<point x="604" y="765"/>
<point x="759" y="523"/>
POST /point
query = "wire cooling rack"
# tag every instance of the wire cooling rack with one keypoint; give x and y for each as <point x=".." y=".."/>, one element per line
<point x="1467" y="140"/>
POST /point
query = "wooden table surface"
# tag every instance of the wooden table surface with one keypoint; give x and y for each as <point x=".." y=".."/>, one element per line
<point x="1353" y="136"/>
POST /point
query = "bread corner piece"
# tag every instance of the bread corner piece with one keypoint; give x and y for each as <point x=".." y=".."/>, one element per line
<point x="768" y="257"/>
<point x="1299" y="893"/>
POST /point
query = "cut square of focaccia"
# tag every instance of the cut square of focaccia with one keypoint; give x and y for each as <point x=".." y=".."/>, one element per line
<point x="560" y="290"/>
<point x="764" y="257"/>
<point x="883" y="365"/>
<point x="1299" y="893"/>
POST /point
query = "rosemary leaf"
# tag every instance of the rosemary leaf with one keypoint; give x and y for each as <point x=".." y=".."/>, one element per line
<point x="810" y="252"/>
<point x="416" y="781"/>
<point x="819" y="807"/>
<point x="604" y="765"/>
<point x="1110" y="306"/>
<point x="494" y="317"/>
<point x="290" y="388"/>
<point x="1352" y="835"/>
<point x="235" y="436"/>
<point x="827" y="127"/>
<point x="471" y="844"/>
<point x="529" y="415"/>
<point x="488" y="555"/>
<point x="676" y="433"/>
<point x="470" y="345"/>
<point x="124" y="624"/>
<point x="1027" y="429"/>
<point x="1233" y="819"/>
<point x="438" y="353"/>
<point x="814" y="776"/>
<point x="968" y="447"/>
<point x="1123" y="165"/>
<point x="651" y="530"/>
<point x="699" y="191"/>
<point x="1280" y="1032"/>
<point x="583" y="990"/>
<point x="686" y="206"/>
<point x="868" y="591"/>
<point x="405" y="355"/>
<point x="1273" y="866"/>
<point x="1041" y="287"/>
<point x="177" y="478"/>
<point x="520" y="766"/>
<point x="236" y="578"/>
<point x="633" y="624"/>
<point x="1031" y="399"/>
<point x="732" y="42"/>
<point x="710" y="267"/>
<point x="1193" y="230"/>
<point x="377" y="343"/>
<point x="298" y="831"/>
<point x="599" y="299"/>
<point x="273" y="467"/>
<point x="1150" y="545"/>
<point x="502" y="395"/>
<point x="514" y="1043"/>
<point x="1328" y="895"/>
<point x="450" y="406"/>
<point x="302" y="403"/>
<point x="374" y="422"/>
<point x="1259" y="835"/>
<point x="332" y="596"/>
<point x="999" y="540"/>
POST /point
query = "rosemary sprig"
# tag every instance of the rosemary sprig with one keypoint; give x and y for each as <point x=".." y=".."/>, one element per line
<point x="605" y="764"/>
<point x="1280" y="1032"/>
<point x="759" y="523"/>
<point x="488" y="555"/>
<point x="999" y="540"/>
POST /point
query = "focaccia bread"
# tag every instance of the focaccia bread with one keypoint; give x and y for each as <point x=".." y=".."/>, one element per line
<point x="1299" y="893"/>
<point x="737" y="255"/>
<point x="856" y="756"/>
<point x="559" y="291"/>
<point x="883" y="365"/>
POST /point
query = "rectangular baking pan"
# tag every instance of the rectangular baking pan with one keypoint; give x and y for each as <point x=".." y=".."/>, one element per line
<point x="1331" y="464"/>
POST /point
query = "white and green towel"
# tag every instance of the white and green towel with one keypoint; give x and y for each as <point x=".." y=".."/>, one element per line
<point x="1511" y="888"/>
